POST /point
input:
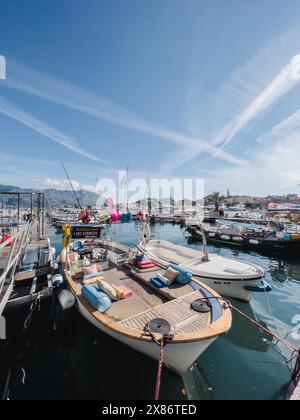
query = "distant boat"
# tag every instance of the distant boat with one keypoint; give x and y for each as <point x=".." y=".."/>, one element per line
<point x="251" y="237"/>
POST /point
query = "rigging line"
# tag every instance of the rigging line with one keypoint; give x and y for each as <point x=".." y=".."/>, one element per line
<point x="72" y="186"/>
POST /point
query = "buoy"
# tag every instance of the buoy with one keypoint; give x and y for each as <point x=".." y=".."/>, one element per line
<point x="66" y="299"/>
<point x="57" y="280"/>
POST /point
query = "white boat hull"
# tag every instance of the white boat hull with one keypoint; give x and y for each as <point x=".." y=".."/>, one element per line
<point x="233" y="289"/>
<point x="177" y="357"/>
<point x="228" y="277"/>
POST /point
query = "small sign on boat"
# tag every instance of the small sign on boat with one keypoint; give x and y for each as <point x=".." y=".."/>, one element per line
<point x="85" y="232"/>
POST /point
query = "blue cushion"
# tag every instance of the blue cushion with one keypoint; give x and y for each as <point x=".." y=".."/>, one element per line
<point x="157" y="283"/>
<point x="184" y="276"/>
<point x="98" y="299"/>
<point x="77" y="246"/>
<point x="140" y="258"/>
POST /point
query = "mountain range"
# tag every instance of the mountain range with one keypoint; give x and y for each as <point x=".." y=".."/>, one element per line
<point x="53" y="197"/>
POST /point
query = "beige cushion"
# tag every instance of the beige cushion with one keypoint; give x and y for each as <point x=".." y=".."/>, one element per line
<point x="109" y="290"/>
<point x="118" y="292"/>
<point x="171" y="275"/>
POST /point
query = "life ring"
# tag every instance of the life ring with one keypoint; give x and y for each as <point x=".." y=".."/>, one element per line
<point x="145" y="234"/>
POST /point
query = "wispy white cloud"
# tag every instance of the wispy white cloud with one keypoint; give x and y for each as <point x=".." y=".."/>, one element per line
<point x="284" y="81"/>
<point x="247" y="94"/>
<point x="54" y="183"/>
<point x="282" y="129"/>
<point x="11" y="110"/>
<point x="54" y="90"/>
<point x="273" y="170"/>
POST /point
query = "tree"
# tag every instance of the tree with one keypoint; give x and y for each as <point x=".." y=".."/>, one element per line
<point x="217" y="199"/>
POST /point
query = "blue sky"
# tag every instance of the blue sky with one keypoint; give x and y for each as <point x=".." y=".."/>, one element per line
<point x="169" y="88"/>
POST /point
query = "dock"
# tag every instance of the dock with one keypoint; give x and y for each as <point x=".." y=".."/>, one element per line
<point x="34" y="277"/>
<point x="26" y="256"/>
<point x="11" y="252"/>
<point x="33" y="254"/>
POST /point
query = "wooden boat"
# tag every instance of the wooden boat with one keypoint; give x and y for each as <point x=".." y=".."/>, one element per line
<point x="229" y="277"/>
<point x="193" y="332"/>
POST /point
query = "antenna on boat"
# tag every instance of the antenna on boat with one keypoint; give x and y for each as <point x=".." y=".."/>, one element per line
<point x="72" y="186"/>
<point x="204" y="240"/>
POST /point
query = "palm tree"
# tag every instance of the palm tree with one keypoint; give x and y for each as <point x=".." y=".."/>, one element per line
<point x="217" y="199"/>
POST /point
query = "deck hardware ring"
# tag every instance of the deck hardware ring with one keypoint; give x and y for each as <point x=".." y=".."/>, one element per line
<point x="201" y="306"/>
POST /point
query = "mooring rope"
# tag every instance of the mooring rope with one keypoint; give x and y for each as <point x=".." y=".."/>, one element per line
<point x="294" y="349"/>
<point x="269" y="332"/>
<point x="160" y="367"/>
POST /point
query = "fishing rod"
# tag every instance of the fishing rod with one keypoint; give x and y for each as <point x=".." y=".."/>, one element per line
<point x="72" y="186"/>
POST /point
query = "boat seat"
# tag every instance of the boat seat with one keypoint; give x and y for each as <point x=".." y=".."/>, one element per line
<point x="175" y="291"/>
<point x="127" y="308"/>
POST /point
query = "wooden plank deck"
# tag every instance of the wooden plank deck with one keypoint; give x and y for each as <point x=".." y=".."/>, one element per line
<point x="177" y="312"/>
<point x="145" y="293"/>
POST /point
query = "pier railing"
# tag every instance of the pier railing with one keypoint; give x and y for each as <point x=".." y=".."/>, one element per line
<point x="11" y="252"/>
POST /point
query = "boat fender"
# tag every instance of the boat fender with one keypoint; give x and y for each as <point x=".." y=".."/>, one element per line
<point x="53" y="253"/>
<point x="57" y="280"/>
<point x="238" y="239"/>
<point x="225" y="237"/>
<point x="280" y="235"/>
<point x="295" y="237"/>
<point x="211" y="235"/>
<point x="54" y="266"/>
<point x="66" y="299"/>
<point x="253" y="241"/>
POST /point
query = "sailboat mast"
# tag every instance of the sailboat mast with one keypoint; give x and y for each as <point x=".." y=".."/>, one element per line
<point x="127" y="188"/>
<point x="72" y="186"/>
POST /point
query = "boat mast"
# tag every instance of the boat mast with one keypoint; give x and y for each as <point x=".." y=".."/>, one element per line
<point x="72" y="186"/>
<point x="127" y="186"/>
<point x="205" y="245"/>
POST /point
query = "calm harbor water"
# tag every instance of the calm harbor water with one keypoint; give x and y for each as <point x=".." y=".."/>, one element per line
<point x="82" y="363"/>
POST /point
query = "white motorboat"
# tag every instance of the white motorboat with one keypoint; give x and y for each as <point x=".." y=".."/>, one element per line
<point x="229" y="277"/>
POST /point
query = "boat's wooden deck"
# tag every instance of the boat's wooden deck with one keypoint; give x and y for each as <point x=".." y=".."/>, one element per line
<point x="177" y="312"/>
<point x="145" y="293"/>
<point x="148" y="303"/>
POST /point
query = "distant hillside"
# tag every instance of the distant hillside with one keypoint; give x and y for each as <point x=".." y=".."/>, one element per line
<point x="53" y="196"/>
